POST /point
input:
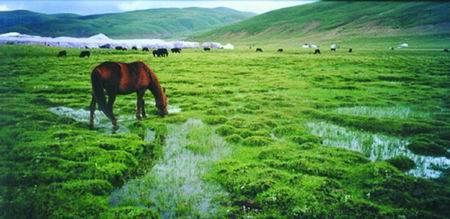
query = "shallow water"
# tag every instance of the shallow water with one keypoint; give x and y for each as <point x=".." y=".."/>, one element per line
<point x="175" y="182"/>
<point x="377" y="147"/>
<point x="101" y="122"/>
<point x="401" y="112"/>
<point x="173" y="109"/>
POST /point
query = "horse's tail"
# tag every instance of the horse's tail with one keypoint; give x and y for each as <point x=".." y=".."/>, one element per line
<point x="99" y="93"/>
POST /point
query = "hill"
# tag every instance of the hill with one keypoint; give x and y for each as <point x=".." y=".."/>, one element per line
<point x="329" y="21"/>
<point x="152" y="23"/>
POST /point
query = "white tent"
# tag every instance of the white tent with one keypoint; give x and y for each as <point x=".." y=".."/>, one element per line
<point x="403" y="45"/>
<point x="228" y="46"/>
<point x="96" y="41"/>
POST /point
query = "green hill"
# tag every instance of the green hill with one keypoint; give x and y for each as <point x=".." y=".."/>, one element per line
<point x="152" y="23"/>
<point x="343" y="22"/>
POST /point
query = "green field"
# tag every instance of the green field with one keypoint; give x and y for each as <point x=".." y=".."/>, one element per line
<point x="249" y="134"/>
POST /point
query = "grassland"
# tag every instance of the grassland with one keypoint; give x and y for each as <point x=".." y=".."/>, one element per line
<point x="258" y="104"/>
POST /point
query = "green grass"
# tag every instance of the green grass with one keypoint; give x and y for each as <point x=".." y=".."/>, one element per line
<point x="357" y="24"/>
<point x="259" y="103"/>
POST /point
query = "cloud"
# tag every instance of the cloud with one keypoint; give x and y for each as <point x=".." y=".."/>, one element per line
<point x="4" y="8"/>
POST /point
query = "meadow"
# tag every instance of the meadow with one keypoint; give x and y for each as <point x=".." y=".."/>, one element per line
<point x="249" y="134"/>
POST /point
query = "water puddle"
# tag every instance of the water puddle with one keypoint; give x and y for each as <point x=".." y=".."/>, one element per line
<point x="378" y="147"/>
<point x="401" y="112"/>
<point x="174" y="186"/>
<point x="173" y="109"/>
<point x="150" y="136"/>
<point x="101" y="122"/>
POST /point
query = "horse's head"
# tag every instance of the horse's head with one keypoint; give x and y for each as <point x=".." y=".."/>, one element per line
<point x="163" y="103"/>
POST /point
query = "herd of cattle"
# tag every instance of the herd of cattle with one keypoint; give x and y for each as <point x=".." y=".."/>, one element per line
<point x="165" y="53"/>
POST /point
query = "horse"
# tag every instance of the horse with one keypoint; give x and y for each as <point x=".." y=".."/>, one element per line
<point x="317" y="51"/>
<point x="62" y="53"/>
<point x="259" y="50"/>
<point x="206" y="49"/>
<point x="280" y="50"/>
<point x="118" y="78"/>
<point x="85" y="53"/>
<point x="176" y="50"/>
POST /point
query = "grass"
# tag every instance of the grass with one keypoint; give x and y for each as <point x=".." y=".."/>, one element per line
<point x="259" y="103"/>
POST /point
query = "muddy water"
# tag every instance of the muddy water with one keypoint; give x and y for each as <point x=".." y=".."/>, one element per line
<point x="101" y="122"/>
<point x="175" y="184"/>
<point x="377" y="147"/>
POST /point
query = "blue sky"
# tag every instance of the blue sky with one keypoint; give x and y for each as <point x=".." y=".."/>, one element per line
<point x="85" y="7"/>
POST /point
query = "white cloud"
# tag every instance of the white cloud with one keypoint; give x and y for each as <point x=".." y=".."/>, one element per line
<point x="252" y="6"/>
<point x="4" y="8"/>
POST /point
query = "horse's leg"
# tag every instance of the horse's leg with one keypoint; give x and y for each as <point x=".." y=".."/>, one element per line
<point x="139" y="104"/>
<point x="111" y="99"/>
<point x="143" y="107"/>
<point x="92" y="109"/>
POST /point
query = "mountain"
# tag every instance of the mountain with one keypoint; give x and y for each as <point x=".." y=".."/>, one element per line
<point x="152" y="23"/>
<point x="331" y="21"/>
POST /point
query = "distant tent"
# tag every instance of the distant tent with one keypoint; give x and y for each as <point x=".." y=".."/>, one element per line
<point x="309" y="45"/>
<point x="228" y="46"/>
<point x="403" y="45"/>
<point x="333" y="46"/>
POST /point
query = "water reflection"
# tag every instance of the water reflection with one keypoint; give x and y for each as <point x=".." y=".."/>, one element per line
<point x="377" y="147"/>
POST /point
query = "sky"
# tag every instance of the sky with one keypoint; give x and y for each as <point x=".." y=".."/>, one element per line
<point x="85" y="7"/>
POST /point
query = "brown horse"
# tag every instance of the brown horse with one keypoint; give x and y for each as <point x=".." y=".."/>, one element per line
<point x="116" y="78"/>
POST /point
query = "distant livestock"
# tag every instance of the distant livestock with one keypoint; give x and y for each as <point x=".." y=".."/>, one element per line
<point x="134" y="48"/>
<point x="207" y="49"/>
<point x="160" y="53"/>
<point x="105" y="46"/>
<point x="445" y="50"/>
<point x="280" y="50"/>
<point x="176" y="50"/>
<point x="333" y="49"/>
<point x="119" y="48"/>
<point x="392" y="48"/>
<point x="145" y="49"/>
<point x="85" y="53"/>
<point x="350" y="50"/>
<point x="62" y="53"/>
<point x="259" y="50"/>
<point x="317" y="51"/>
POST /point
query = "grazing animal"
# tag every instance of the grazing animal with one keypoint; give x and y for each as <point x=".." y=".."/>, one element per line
<point x="118" y="78"/>
<point x="160" y="53"/>
<point x="85" y="53"/>
<point x="134" y="48"/>
<point x="445" y="50"/>
<point x="350" y="50"/>
<point x="392" y="48"/>
<point x="280" y="50"/>
<point x="207" y="49"/>
<point x="259" y="50"/>
<point x="176" y="50"/>
<point x="105" y="46"/>
<point x="333" y="49"/>
<point x="62" y="53"/>
<point x="119" y="48"/>
<point x="145" y="49"/>
<point x="317" y="51"/>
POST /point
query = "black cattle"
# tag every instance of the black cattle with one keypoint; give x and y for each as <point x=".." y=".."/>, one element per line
<point x="85" y="53"/>
<point x="62" y="53"/>
<point x="350" y="50"/>
<point x="317" y="51"/>
<point x="333" y="49"/>
<point x="145" y="49"/>
<point x="207" y="49"/>
<point x="105" y="46"/>
<point x="259" y="50"/>
<point x="176" y="50"/>
<point x="119" y="48"/>
<point x="280" y="50"/>
<point x="445" y="50"/>
<point x="124" y="49"/>
<point x="134" y="48"/>
<point x="160" y="53"/>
